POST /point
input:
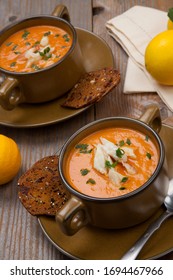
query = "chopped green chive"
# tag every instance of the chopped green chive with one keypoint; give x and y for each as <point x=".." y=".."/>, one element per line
<point x="57" y="35"/>
<point x="47" y="33"/>
<point x="35" y="67"/>
<point x="25" y="34"/>
<point x="148" y="155"/>
<point x="124" y="179"/>
<point x="8" y="44"/>
<point x="110" y="165"/>
<point x="17" y="52"/>
<point x="91" y="181"/>
<point x="122" y="188"/>
<point x="128" y="141"/>
<point x="119" y="153"/>
<point x="83" y="148"/>
<point x="45" y="54"/>
<point x="84" y="171"/>
<point x="27" y="44"/>
<point x="46" y="50"/>
<point x="147" y="138"/>
<point x="121" y="143"/>
<point x="13" y="64"/>
<point x="66" y="37"/>
<point x="15" y="46"/>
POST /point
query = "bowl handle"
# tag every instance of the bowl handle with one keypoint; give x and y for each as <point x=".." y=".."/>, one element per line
<point x="10" y="93"/>
<point x="62" y="12"/>
<point x="152" y="117"/>
<point x="72" y="216"/>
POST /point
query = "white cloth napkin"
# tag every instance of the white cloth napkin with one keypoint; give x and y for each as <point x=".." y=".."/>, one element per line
<point x="133" y="30"/>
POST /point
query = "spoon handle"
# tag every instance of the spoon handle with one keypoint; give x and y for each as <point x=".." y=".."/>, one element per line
<point x="139" y="244"/>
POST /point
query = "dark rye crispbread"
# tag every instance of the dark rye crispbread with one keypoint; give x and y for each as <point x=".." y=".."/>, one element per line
<point x="40" y="189"/>
<point x="92" y="87"/>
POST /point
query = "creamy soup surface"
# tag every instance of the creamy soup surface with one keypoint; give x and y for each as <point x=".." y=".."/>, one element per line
<point x="34" y="48"/>
<point x="111" y="162"/>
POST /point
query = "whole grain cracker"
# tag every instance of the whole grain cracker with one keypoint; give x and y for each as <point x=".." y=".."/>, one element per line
<point x="92" y="87"/>
<point x="40" y="189"/>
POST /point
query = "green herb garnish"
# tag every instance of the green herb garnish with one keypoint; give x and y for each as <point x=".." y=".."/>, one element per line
<point x="83" y="148"/>
<point x="35" y="67"/>
<point x="124" y="179"/>
<point x="146" y="138"/>
<point x="90" y="181"/>
<point x="148" y="155"/>
<point x="25" y="34"/>
<point x="110" y="165"/>
<point x="121" y="143"/>
<point x="13" y="64"/>
<point x="8" y="44"/>
<point x="15" y="46"/>
<point x="119" y="153"/>
<point x="84" y="171"/>
<point x="66" y="37"/>
<point x="56" y="35"/>
<point x="17" y="52"/>
<point x="47" y="33"/>
<point x="46" y="50"/>
<point x="45" y="54"/>
<point x="122" y="188"/>
<point x="128" y="141"/>
<point x="41" y="53"/>
<point x="170" y="14"/>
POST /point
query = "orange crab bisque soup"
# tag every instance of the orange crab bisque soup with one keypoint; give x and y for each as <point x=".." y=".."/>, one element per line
<point x="34" y="48"/>
<point x="111" y="162"/>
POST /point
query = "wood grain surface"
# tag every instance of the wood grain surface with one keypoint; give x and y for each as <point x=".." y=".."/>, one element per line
<point x="20" y="234"/>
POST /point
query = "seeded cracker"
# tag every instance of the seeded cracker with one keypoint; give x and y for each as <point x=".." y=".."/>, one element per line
<point x="40" y="189"/>
<point x="92" y="87"/>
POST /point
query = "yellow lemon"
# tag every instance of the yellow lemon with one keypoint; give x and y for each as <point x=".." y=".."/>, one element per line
<point x="10" y="159"/>
<point x="159" y="57"/>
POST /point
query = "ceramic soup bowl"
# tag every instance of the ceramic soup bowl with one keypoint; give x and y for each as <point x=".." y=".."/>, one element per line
<point x="47" y="83"/>
<point x="121" y="211"/>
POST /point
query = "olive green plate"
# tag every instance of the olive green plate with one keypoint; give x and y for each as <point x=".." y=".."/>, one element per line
<point x="97" y="54"/>
<point x="93" y="243"/>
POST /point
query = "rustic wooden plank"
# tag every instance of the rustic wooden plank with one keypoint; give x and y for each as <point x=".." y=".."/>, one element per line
<point x="15" y="10"/>
<point x="21" y="236"/>
<point x="117" y="102"/>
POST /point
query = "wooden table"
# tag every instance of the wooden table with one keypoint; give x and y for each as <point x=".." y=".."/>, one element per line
<point x="20" y="234"/>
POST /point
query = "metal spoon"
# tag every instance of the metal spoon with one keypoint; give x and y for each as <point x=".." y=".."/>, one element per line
<point x="139" y="244"/>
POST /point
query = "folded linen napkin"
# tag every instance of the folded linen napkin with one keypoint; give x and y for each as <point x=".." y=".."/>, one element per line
<point x="133" y="30"/>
